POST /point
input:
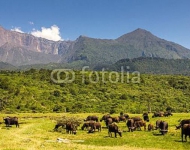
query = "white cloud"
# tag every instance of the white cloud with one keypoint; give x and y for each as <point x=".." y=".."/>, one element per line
<point x="51" y="33"/>
<point x="31" y="23"/>
<point x="17" y="29"/>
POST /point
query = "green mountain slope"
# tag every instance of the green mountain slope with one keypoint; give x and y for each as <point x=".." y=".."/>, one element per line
<point x="139" y="43"/>
<point x="155" y="65"/>
<point x="7" y="66"/>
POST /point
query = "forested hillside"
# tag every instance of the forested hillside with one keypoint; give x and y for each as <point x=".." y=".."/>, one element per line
<point x="150" y="65"/>
<point x="34" y="91"/>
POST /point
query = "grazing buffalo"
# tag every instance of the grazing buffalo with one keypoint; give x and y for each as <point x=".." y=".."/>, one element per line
<point x="94" y="118"/>
<point x="182" y="122"/>
<point x="158" y="114"/>
<point x="109" y="121"/>
<point x="130" y="125"/>
<point x="122" y="118"/>
<point x="114" y="128"/>
<point x="145" y="117"/>
<point x="104" y="117"/>
<point x="139" y="124"/>
<point x="157" y="124"/>
<point x="150" y="127"/>
<point x="59" y="125"/>
<point x="115" y="119"/>
<point x="71" y="128"/>
<point x="185" y="131"/>
<point x="11" y="121"/>
<point x="163" y="127"/>
<point x="88" y="124"/>
<point x="167" y="113"/>
<point x="96" y="125"/>
<point x="136" y="118"/>
<point x="126" y="116"/>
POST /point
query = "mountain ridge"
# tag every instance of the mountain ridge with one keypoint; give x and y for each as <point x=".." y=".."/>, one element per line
<point x="86" y="50"/>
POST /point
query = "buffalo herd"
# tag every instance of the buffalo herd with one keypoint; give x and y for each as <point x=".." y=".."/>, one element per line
<point x="92" y="124"/>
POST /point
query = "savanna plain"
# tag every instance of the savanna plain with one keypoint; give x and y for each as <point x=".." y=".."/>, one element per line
<point x="36" y="132"/>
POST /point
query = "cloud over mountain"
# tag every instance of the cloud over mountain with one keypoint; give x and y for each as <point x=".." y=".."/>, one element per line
<point x="51" y="33"/>
<point x="17" y="29"/>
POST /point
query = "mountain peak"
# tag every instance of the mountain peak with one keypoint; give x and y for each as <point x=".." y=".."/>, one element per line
<point x="138" y="34"/>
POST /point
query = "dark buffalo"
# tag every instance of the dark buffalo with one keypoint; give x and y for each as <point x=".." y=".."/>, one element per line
<point x="145" y="117"/>
<point x="114" y="128"/>
<point x="96" y="125"/>
<point x="150" y="127"/>
<point x="122" y="118"/>
<point x="136" y="118"/>
<point x="182" y="122"/>
<point x="163" y="127"/>
<point x="94" y="118"/>
<point x="104" y="117"/>
<point x="168" y="113"/>
<point x="139" y="124"/>
<point x="71" y="128"/>
<point x="130" y="125"/>
<point x="108" y="121"/>
<point x="158" y="114"/>
<point x="11" y="121"/>
<point x="185" y="131"/>
<point x="115" y="119"/>
<point x="126" y="116"/>
<point x="88" y="124"/>
<point x="157" y="124"/>
<point x="59" y="125"/>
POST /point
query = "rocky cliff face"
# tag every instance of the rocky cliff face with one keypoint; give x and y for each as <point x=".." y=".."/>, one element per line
<point x="21" y="48"/>
<point x="32" y="43"/>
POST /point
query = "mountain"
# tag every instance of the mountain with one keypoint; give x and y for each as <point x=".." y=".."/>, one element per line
<point x="147" y="44"/>
<point x="17" y="55"/>
<point x="139" y="43"/>
<point x="24" y="49"/>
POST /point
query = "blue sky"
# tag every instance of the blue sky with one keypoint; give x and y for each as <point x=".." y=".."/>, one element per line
<point x="107" y="19"/>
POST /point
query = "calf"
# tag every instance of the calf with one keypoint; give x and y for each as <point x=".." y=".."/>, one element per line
<point x="114" y="128"/>
<point x="150" y="127"/>
<point x="185" y="131"/>
<point x="11" y="121"/>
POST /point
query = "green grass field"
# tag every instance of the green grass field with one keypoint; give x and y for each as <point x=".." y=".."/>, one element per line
<point x="36" y="132"/>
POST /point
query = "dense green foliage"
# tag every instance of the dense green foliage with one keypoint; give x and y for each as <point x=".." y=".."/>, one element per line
<point x="34" y="91"/>
<point x="156" y="65"/>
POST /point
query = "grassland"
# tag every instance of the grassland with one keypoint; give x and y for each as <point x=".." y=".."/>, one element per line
<point x="36" y="132"/>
